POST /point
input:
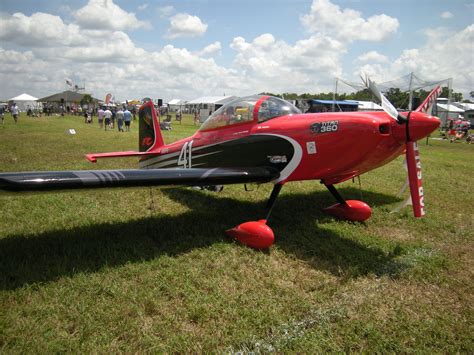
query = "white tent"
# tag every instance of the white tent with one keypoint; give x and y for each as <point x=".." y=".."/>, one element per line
<point x="367" y="105"/>
<point x="466" y="106"/>
<point x="211" y="100"/>
<point x="176" y="102"/>
<point x="207" y="104"/>
<point x="24" y="101"/>
<point x="445" y="112"/>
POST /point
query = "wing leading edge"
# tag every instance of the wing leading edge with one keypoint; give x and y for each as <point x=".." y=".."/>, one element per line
<point x="84" y="179"/>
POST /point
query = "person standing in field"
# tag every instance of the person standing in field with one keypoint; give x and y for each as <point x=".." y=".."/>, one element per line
<point x="112" y="122"/>
<point x="108" y="117"/>
<point x="127" y="116"/>
<point x="2" y="113"/>
<point x="15" y="112"/>
<point x="119" y="117"/>
<point x="100" y="117"/>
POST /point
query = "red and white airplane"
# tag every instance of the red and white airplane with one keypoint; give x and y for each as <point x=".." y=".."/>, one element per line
<point x="261" y="139"/>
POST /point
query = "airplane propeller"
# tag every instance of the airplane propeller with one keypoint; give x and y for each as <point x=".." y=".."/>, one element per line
<point x="412" y="133"/>
<point x="386" y="104"/>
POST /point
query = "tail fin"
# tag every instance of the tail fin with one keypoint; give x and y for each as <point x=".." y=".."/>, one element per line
<point x="427" y="105"/>
<point x="150" y="136"/>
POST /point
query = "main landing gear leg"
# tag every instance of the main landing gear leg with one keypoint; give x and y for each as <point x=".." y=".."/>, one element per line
<point x="271" y="201"/>
<point x="336" y="194"/>
<point x="256" y="234"/>
<point x="351" y="210"/>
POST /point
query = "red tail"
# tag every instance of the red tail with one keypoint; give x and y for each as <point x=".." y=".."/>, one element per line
<point x="150" y="137"/>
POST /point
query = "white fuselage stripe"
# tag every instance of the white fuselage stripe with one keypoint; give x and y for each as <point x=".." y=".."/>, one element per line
<point x="295" y="160"/>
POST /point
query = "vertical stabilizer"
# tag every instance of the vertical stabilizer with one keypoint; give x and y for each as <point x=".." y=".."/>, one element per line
<point x="427" y="105"/>
<point x="150" y="137"/>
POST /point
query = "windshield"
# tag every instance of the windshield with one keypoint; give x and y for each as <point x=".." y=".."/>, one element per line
<point x="274" y="107"/>
<point x="237" y="111"/>
<point x="244" y="110"/>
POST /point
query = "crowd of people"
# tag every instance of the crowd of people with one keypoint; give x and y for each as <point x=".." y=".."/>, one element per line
<point x="107" y="118"/>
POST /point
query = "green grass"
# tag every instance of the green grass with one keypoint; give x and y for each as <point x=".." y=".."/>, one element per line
<point x="135" y="270"/>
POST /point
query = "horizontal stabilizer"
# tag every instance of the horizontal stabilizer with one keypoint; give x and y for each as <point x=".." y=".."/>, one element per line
<point x="80" y="179"/>
<point x="92" y="157"/>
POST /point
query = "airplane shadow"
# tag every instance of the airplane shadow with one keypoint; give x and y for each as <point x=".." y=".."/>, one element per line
<point x="26" y="260"/>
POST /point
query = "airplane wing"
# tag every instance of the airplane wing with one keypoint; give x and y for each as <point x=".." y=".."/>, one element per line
<point x="83" y="179"/>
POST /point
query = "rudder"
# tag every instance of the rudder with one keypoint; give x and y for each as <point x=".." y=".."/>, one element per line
<point x="430" y="101"/>
<point x="150" y="136"/>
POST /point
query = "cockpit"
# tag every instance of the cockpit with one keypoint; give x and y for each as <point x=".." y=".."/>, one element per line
<point x="251" y="108"/>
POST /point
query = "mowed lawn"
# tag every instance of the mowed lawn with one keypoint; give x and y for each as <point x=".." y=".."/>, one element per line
<point x="151" y="270"/>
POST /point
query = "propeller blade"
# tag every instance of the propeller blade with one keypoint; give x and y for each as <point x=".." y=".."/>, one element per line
<point x="414" y="176"/>
<point x="386" y="105"/>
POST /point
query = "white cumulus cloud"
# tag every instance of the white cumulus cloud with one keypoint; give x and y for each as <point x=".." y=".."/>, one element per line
<point x="185" y="25"/>
<point x="210" y="49"/>
<point x="105" y="15"/>
<point x="373" y="56"/>
<point x="275" y="66"/>
<point x="347" y="24"/>
<point x="38" y="51"/>
<point x="443" y="56"/>
<point x="38" y="30"/>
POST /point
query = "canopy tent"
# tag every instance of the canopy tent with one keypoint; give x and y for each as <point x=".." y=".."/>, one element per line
<point x="211" y="100"/>
<point x="25" y="101"/>
<point x="176" y="102"/>
<point x="206" y="105"/>
<point x="367" y="105"/>
<point x="330" y="105"/>
<point x="466" y="106"/>
<point x="447" y="111"/>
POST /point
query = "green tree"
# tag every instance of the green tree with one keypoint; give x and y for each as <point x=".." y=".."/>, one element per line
<point x="270" y="94"/>
<point x="398" y="98"/>
<point x="455" y="96"/>
<point x="86" y="100"/>
<point x="362" y="95"/>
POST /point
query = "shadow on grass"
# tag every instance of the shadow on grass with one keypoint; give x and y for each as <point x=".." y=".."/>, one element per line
<point x="87" y="249"/>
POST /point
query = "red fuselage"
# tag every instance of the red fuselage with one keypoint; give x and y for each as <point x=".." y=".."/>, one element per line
<point x="332" y="147"/>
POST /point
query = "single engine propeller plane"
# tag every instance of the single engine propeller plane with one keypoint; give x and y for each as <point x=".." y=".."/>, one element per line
<point x="260" y="139"/>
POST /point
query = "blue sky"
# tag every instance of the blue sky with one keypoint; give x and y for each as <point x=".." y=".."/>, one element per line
<point x="132" y="48"/>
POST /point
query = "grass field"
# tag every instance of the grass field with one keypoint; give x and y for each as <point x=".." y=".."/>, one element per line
<point x="140" y="269"/>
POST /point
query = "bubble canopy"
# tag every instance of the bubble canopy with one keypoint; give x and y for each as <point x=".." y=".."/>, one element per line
<point x="247" y="109"/>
